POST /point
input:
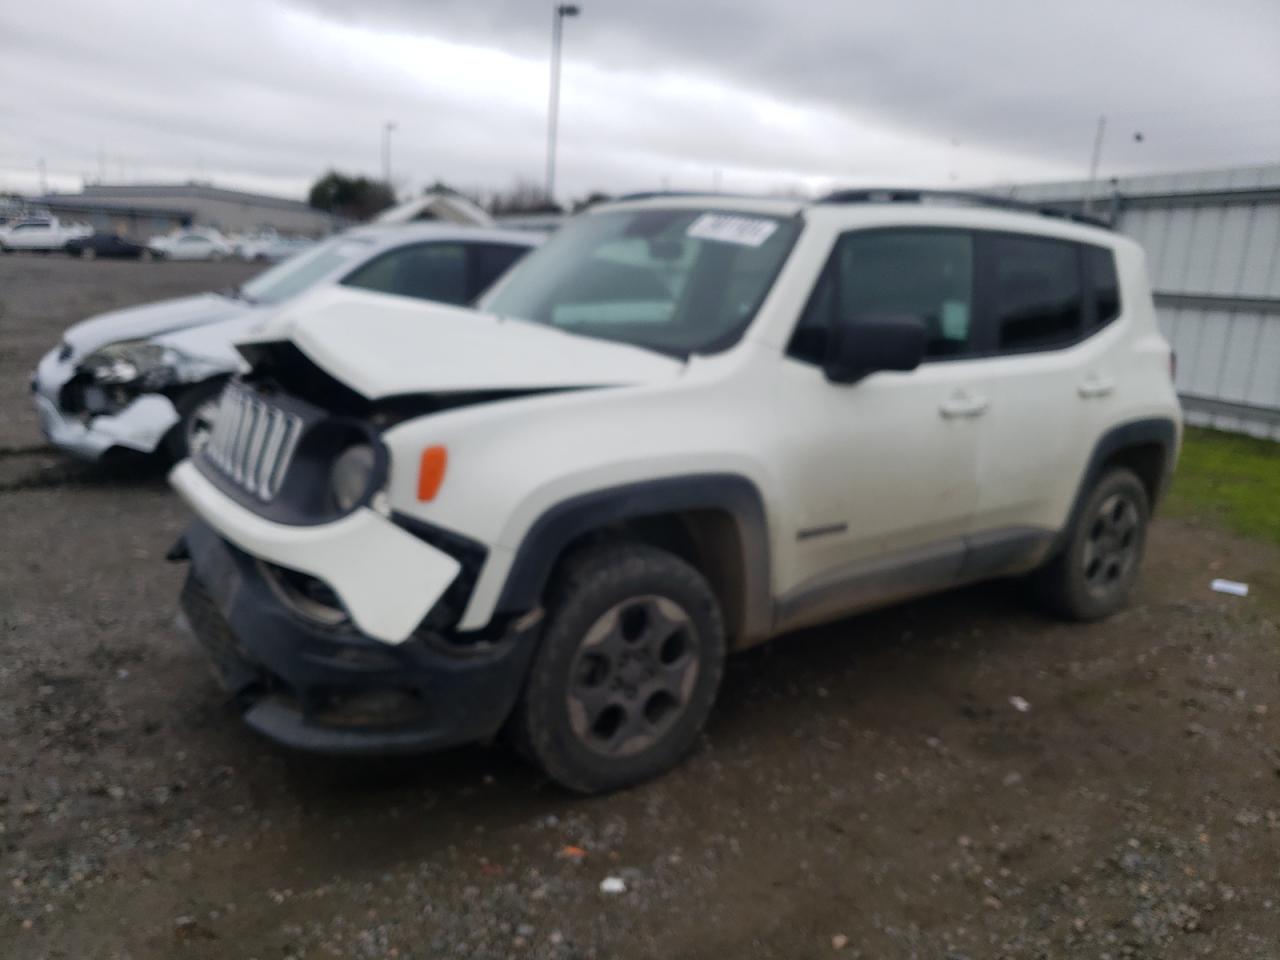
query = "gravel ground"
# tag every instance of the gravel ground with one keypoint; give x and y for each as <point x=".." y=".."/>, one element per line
<point x="871" y="789"/>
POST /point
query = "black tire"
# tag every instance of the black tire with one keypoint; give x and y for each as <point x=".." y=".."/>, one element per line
<point x="1092" y="575"/>
<point x="192" y="405"/>
<point x="627" y="670"/>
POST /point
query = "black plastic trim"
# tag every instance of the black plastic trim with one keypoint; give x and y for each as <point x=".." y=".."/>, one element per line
<point x="560" y="525"/>
<point x="884" y="580"/>
<point x="1157" y="430"/>
<point x="962" y="198"/>
<point x="471" y="554"/>
<point x="286" y="672"/>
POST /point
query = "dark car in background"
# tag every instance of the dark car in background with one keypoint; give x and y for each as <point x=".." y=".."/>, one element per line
<point x="107" y="245"/>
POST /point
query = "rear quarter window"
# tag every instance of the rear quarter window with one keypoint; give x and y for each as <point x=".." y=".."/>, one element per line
<point x="1104" y="283"/>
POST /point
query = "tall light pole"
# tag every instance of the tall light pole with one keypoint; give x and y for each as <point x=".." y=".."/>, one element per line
<point x="1093" y="163"/>
<point x="562" y="10"/>
<point x="386" y="151"/>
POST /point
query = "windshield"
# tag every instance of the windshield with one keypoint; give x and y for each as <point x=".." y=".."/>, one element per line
<point x="680" y="281"/>
<point x="305" y="270"/>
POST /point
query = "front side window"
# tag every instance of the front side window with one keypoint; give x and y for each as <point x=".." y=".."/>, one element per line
<point x="299" y="273"/>
<point x="427" y="271"/>
<point x="1036" y="292"/>
<point x="922" y="273"/>
<point x="679" y="281"/>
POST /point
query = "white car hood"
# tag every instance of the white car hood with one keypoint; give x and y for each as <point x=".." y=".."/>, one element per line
<point x="382" y="346"/>
<point x="149" y="320"/>
<point x="215" y="342"/>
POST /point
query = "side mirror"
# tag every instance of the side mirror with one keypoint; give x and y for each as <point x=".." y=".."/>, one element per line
<point x="865" y="344"/>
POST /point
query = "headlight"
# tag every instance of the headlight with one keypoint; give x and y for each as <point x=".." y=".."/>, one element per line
<point x="122" y="363"/>
<point x="147" y="365"/>
<point x="350" y="476"/>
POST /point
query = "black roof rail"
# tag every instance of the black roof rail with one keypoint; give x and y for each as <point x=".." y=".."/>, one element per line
<point x="960" y="197"/>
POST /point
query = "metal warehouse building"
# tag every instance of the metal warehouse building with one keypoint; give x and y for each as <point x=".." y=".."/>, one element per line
<point x="140" y="210"/>
<point x="1213" y="250"/>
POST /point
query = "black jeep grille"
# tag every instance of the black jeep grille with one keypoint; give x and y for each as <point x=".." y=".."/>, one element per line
<point x="252" y="442"/>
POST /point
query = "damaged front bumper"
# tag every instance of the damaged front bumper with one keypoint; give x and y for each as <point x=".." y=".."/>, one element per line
<point x="140" y="426"/>
<point x="336" y="690"/>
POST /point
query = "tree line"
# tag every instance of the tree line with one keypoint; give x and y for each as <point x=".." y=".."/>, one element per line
<point x="361" y="198"/>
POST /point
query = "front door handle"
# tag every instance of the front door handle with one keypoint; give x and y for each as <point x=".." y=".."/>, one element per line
<point x="1096" y="386"/>
<point x="964" y="404"/>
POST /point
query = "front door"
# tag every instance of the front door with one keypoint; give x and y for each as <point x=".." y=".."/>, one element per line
<point x="883" y="472"/>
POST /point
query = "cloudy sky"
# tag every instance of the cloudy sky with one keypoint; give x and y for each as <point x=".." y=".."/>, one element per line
<point x="748" y="95"/>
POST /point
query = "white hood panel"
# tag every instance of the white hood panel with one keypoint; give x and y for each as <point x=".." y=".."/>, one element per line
<point x="139" y="323"/>
<point x="382" y="346"/>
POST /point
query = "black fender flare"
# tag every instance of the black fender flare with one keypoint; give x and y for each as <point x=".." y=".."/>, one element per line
<point x="1161" y="431"/>
<point x="564" y="522"/>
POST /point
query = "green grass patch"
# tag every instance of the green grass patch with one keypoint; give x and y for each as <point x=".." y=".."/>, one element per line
<point x="1229" y="479"/>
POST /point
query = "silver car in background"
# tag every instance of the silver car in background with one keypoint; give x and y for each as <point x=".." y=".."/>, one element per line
<point x="147" y="378"/>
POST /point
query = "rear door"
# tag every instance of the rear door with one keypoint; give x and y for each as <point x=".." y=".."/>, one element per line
<point x="1032" y="327"/>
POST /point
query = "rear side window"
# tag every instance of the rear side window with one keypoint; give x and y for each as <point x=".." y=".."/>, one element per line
<point x="489" y="261"/>
<point x="1035" y="292"/>
<point x="1105" y="284"/>
<point x="917" y="272"/>
<point x="427" y="271"/>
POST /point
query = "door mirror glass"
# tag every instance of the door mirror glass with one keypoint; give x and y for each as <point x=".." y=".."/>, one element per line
<point x="868" y="343"/>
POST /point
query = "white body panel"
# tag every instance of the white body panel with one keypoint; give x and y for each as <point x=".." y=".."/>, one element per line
<point x="191" y="245"/>
<point x="386" y="598"/>
<point x="44" y="236"/>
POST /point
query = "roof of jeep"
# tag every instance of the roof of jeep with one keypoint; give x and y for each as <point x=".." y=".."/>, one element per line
<point x="910" y="203"/>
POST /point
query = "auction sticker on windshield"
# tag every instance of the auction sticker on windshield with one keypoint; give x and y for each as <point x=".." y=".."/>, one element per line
<point x="727" y="228"/>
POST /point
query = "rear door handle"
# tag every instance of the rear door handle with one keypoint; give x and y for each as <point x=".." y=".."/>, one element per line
<point x="1096" y="386"/>
<point x="964" y="405"/>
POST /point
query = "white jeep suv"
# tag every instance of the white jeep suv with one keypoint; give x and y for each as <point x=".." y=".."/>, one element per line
<point x="681" y="427"/>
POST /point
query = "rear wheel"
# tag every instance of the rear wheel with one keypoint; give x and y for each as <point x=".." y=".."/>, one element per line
<point x="627" y="670"/>
<point x="1094" y="573"/>
<point x="88" y="253"/>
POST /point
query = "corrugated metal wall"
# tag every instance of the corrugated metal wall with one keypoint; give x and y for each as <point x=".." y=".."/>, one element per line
<point x="1213" y="248"/>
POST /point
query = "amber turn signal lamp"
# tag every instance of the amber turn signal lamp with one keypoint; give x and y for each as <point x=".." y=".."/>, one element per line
<point x="431" y="472"/>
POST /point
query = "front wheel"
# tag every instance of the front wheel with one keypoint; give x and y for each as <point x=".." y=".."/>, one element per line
<point x="1092" y="576"/>
<point x="627" y="671"/>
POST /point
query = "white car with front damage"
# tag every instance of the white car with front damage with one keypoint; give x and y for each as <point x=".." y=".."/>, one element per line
<point x="146" y="379"/>
<point x="683" y="426"/>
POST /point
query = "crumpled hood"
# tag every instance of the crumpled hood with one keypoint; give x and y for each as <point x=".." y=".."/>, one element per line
<point x="382" y="346"/>
<point x="139" y="323"/>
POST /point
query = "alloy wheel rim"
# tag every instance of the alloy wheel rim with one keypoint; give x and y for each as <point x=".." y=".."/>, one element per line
<point x="1111" y="547"/>
<point x="633" y="676"/>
